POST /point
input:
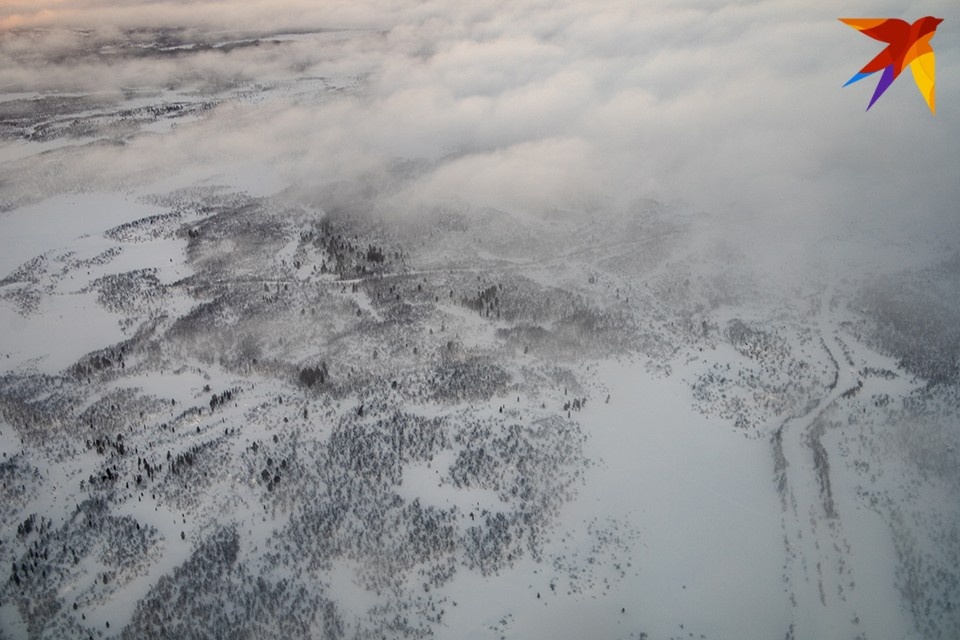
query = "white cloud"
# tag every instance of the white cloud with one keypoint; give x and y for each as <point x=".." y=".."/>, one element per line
<point x="733" y="108"/>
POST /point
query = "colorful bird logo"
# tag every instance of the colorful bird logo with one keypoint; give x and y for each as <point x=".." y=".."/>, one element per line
<point x="907" y="44"/>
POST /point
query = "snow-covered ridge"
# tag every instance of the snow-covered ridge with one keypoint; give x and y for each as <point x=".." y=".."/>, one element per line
<point x="245" y="390"/>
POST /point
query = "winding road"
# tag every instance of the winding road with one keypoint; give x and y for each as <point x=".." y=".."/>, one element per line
<point x="817" y="571"/>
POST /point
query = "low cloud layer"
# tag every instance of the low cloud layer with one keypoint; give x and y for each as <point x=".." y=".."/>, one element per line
<point x="734" y="109"/>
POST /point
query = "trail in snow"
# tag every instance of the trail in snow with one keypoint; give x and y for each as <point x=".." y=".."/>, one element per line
<point x="821" y="561"/>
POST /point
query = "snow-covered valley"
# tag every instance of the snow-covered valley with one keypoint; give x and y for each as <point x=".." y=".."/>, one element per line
<point x="244" y="393"/>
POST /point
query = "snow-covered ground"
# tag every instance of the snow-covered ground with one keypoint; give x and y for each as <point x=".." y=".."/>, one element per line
<point x="243" y="391"/>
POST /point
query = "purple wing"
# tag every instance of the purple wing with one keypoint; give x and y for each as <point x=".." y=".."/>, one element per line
<point x="885" y="81"/>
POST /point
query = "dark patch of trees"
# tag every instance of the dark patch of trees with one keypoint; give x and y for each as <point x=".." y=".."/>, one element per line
<point x="25" y="528"/>
<point x="486" y="302"/>
<point x="375" y="254"/>
<point x="217" y="400"/>
<point x="310" y="376"/>
<point x="576" y="404"/>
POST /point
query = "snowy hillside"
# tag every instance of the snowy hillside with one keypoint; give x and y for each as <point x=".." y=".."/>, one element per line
<point x="248" y="392"/>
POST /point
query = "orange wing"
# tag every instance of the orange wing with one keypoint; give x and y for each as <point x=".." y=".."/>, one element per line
<point x="889" y="30"/>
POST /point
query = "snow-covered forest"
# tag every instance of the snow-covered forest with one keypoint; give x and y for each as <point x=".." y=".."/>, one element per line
<point x="368" y="328"/>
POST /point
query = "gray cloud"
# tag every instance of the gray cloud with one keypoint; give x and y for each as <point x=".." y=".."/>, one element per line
<point x="735" y="109"/>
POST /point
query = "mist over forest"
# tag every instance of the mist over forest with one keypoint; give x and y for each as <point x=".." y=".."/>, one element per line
<point x="392" y="319"/>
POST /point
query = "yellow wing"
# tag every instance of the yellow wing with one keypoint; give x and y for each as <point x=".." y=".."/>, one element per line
<point x="925" y="74"/>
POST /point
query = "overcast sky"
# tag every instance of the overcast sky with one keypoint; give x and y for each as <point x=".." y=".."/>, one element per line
<point x="731" y="108"/>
